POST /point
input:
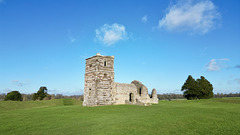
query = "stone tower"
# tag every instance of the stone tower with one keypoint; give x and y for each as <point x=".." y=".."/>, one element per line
<point x="99" y="80"/>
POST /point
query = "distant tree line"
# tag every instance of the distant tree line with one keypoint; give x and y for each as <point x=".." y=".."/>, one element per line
<point x="170" y="96"/>
<point x="40" y="95"/>
<point x="29" y="97"/>
<point x="166" y="96"/>
<point x="220" y="95"/>
<point x="2" y="96"/>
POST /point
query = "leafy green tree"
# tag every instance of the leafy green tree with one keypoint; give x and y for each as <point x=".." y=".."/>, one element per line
<point x="197" y="89"/>
<point x="41" y="94"/>
<point x="14" y="96"/>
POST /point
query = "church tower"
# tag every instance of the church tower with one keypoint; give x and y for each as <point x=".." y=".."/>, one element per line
<point x="99" y="79"/>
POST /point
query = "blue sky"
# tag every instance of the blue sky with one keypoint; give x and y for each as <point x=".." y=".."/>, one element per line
<point x="160" y="43"/>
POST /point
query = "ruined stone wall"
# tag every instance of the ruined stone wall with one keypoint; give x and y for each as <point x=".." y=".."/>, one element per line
<point x="142" y="91"/>
<point x="154" y="98"/>
<point x="99" y="78"/>
<point x="122" y="92"/>
<point x="90" y="91"/>
<point x="100" y="88"/>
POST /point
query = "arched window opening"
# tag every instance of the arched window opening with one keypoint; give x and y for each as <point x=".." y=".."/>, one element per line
<point x="140" y="91"/>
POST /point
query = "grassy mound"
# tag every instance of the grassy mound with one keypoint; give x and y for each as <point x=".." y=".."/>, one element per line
<point x="212" y="116"/>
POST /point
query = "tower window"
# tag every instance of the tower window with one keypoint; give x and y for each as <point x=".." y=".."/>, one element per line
<point x="105" y="63"/>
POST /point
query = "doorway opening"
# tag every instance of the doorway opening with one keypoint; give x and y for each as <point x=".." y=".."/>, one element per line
<point x="131" y="97"/>
<point x="140" y="91"/>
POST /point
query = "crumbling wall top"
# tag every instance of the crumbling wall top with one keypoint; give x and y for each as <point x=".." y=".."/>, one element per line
<point x="99" y="55"/>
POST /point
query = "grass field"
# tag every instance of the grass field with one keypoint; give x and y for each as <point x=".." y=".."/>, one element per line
<point x="67" y="116"/>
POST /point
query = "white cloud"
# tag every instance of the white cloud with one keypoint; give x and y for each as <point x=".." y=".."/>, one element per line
<point x="144" y="19"/>
<point x="212" y="65"/>
<point x="216" y="64"/>
<point x="110" y="34"/>
<point x="191" y="17"/>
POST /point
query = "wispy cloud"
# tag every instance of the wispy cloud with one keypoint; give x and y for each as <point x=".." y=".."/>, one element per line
<point x="187" y="15"/>
<point x="237" y="80"/>
<point x="216" y="64"/>
<point x="110" y="34"/>
<point x="6" y="90"/>
<point x="224" y="59"/>
<point x="144" y="19"/>
<point x="237" y="66"/>
<point x="70" y="37"/>
<point x="18" y="83"/>
<point x="212" y="65"/>
<point x="52" y="91"/>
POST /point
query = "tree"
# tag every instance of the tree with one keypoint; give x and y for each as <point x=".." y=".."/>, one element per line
<point x="197" y="89"/>
<point x="41" y="94"/>
<point x="205" y="87"/>
<point x="14" y="96"/>
<point x="189" y="88"/>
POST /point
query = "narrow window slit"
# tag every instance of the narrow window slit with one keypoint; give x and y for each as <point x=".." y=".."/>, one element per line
<point x="105" y="63"/>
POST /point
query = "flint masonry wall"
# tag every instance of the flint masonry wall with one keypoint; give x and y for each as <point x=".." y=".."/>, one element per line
<point x="100" y="88"/>
<point x="122" y="92"/>
<point x="99" y="78"/>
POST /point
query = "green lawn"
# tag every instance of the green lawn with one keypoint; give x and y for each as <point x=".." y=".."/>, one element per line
<point x="61" y="116"/>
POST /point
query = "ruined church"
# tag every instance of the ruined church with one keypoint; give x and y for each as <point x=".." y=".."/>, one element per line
<point x="100" y="88"/>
